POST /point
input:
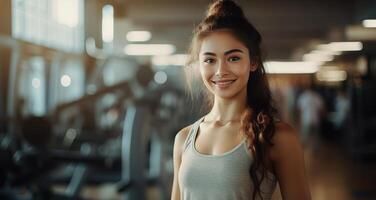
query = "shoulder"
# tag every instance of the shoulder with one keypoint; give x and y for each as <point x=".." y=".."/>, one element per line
<point x="286" y="141"/>
<point x="283" y="128"/>
<point x="181" y="137"/>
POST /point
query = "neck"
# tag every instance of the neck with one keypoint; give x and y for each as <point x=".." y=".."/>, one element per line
<point x="227" y="110"/>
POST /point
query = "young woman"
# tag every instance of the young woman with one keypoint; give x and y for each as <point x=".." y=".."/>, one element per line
<point x="238" y="150"/>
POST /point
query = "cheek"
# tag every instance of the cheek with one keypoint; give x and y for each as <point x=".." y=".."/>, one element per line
<point x="205" y="72"/>
<point x="243" y="73"/>
<point x="201" y="70"/>
<point x="246" y="76"/>
<point x="245" y="70"/>
<point x="242" y="69"/>
<point x="206" y="75"/>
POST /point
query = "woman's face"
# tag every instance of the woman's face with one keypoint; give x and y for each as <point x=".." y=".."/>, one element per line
<point x="224" y="64"/>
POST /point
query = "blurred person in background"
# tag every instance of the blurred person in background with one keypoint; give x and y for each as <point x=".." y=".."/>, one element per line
<point x="238" y="150"/>
<point x="341" y="111"/>
<point x="310" y="107"/>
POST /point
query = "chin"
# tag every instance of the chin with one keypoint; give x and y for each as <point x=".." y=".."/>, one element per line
<point x="230" y="95"/>
<point x="227" y="97"/>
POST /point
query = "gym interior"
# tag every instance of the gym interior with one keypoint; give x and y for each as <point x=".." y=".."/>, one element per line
<point x="93" y="92"/>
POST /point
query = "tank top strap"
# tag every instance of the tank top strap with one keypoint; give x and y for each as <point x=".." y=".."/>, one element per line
<point x="191" y="134"/>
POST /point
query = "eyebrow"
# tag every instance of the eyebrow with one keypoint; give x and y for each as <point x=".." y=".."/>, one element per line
<point x="226" y="53"/>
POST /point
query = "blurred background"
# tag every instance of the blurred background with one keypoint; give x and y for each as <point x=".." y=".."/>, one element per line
<point x="92" y="93"/>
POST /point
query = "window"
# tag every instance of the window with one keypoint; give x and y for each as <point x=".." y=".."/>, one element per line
<point x="53" y="23"/>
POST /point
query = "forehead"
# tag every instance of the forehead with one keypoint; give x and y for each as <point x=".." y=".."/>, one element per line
<point x="221" y="41"/>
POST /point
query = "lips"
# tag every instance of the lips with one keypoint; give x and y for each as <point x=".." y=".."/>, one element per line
<point x="223" y="83"/>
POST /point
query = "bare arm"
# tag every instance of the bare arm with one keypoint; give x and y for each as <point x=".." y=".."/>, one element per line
<point x="178" y="149"/>
<point x="288" y="163"/>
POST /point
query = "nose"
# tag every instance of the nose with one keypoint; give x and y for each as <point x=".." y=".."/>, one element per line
<point x="221" y="68"/>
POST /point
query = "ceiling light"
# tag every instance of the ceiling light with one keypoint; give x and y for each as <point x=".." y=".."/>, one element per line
<point x="35" y="83"/>
<point x="66" y="12"/>
<point x="342" y="46"/>
<point x="369" y="23"/>
<point x="160" y="77"/>
<point x="273" y="67"/>
<point x="108" y="23"/>
<point x="317" y="57"/>
<point x="177" y="59"/>
<point x="330" y="75"/>
<point x="149" y="49"/>
<point x="323" y="52"/>
<point x="65" y="80"/>
<point x="138" y="36"/>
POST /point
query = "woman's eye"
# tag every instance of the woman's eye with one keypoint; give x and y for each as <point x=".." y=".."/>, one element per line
<point x="209" y="60"/>
<point x="233" y="59"/>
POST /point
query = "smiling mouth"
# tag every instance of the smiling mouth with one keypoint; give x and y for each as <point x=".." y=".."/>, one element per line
<point x="223" y="83"/>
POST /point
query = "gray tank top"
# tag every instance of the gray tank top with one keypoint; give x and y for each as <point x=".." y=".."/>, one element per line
<point x="218" y="177"/>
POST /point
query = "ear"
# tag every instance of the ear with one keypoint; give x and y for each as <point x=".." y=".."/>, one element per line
<point x="253" y="65"/>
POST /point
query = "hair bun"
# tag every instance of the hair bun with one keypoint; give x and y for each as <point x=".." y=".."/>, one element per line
<point x="224" y="8"/>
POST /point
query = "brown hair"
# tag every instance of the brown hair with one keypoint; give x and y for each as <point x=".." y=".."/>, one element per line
<point x="257" y="120"/>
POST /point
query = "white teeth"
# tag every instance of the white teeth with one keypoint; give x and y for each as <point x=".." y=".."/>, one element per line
<point x="223" y="83"/>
